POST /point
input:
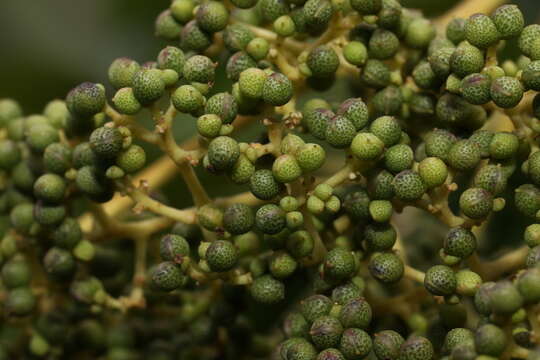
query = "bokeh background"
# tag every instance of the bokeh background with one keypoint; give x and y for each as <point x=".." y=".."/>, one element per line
<point x="50" y="46"/>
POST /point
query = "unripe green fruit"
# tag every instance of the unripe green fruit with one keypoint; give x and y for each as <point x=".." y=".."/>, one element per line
<point x="193" y="38"/>
<point x="49" y="215"/>
<point x="166" y="26"/>
<point x="506" y="92"/>
<point x="221" y="256"/>
<point x="148" y="86"/>
<point x="9" y="110"/>
<point x="258" y="48"/>
<point x="199" y="68"/>
<point x="93" y="183"/>
<point x="282" y="265"/>
<point x="386" y="267"/>
<point x="356" y="313"/>
<point x="481" y="31"/>
<point x="455" y="30"/>
<point x="433" y="172"/>
<point x="86" y="100"/>
<point x="490" y="178"/>
<point x="23" y="176"/>
<point x="349" y="291"/>
<point x="10" y="154"/>
<point x="532" y="235"/>
<point x="122" y="71"/>
<point x="59" y="262"/>
<point x="322" y="61"/>
<point x="339" y="264"/>
<point x="57" y="113"/>
<point x="367" y="146"/>
<point x="182" y="10"/>
<point x="340" y="132"/>
<point x="439" y="143"/>
<point x="355" y="53"/>
<point x="50" y="188"/>
<point x="527" y="199"/>
<point x="386" y="344"/>
<point x="106" y="142"/>
<point x="237" y="63"/>
<point x="316" y="120"/>
<point x="171" y="58"/>
<point x="424" y="76"/>
<point x="387" y="129"/>
<point x="270" y="219"/>
<point x="263" y="185"/>
<point x="466" y="59"/>
<point x="277" y="89"/>
<point x="408" y="186"/>
<point x="238" y="218"/>
<point x="209" y="125"/>
<point x="416" y="348"/>
<point x="300" y="244"/>
<point x="356" y="111"/>
<point x="236" y="37"/>
<point x="317" y="15"/>
<point x="490" y="340"/>
<point x="131" y="159"/>
<point x="467" y="282"/>
<point x="286" y="169"/>
<point x="224" y="105"/>
<point x="16" y="273"/>
<point x="20" y="301"/>
<point x="419" y="33"/>
<point x="383" y="44"/>
<point x="379" y="237"/>
<point x="476" y="203"/>
<point x="40" y="136"/>
<point x="295" y="325"/>
<point x="464" y="155"/>
<point x="252" y="82"/>
<point x="284" y="26"/>
<point x="367" y="7"/>
<point x="223" y="152"/>
<point x="375" y="74"/>
<point x="528" y="285"/>
<point x="21" y="217"/>
<point x="509" y="21"/>
<point x="212" y="16"/>
<point x="330" y="354"/>
<point x="326" y="332"/>
<point x="67" y="234"/>
<point x="210" y="217"/>
<point x="440" y="280"/>
<point x="188" y="99"/>
<point x="527" y="38"/>
<point x="168" y="276"/>
<point x="505" y="298"/>
<point x="314" y="307"/>
<point x="475" y="88"/>
<point x="398" y="158"/>
<point x="459" y="242"/>
<point x="267" y="290"/>
<point x="355" y="344"/>
<point x="125" y="101"/>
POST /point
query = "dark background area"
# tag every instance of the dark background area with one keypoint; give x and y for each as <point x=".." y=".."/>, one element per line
<point x="50" y="46"/>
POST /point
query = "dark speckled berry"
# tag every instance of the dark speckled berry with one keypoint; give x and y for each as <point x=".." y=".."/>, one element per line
<point x="221" y="255"/>
<point x="440" y="280"/>
<point x="238" y="218"/>
<point x="270" y="219"/>
<point x="326" y="332"/>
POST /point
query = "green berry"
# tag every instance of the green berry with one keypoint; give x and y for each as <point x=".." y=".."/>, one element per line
<point x="348" y="291"/>
<point x="441" y="61"/>
<point x="316" y="121"/>
<point x="277" y="89"/>
<point x="122" y="71"/>
<point x="386" y="267"/>
<point x="168" y="276"/>
<point x="258" y="48"/>
<point x="505" y="298"/>
<point x="440" y="280"/>
<point x="131" y="159"/>
<point x="340" y="132"/>
<point x="481" y="31"/>
<point x="466" y="59"/>
<point x="419" y="33"/>
<point x="10" y="154"/>
<point x="263" y="185"/>
<point x="286" y="169"/>
<point x="355" y="53"/>
<point x="166" y="26"/>
<point x="326" y="332"/>
<point x="330" y="354"/>
<point x="475" y="88"/>
<point x="295" y="325"/>
<point x="531" y="76"/>
<point x="503" y="146"/>
<point x="270" y="10"/>
<point x="106" y="142"/>
<point x="508" y="20"/>
<point x="267" y="290"/>
<point x="238" y="219"/>
<point x="9" y="110"/>
<point x="284" y="26"/>
<point x="282" y="265"/>
<point x="237" y="63"/>
<point x="199" y="68"/>
<point x="221" y="255"/>
<point x="460" y="242"/>
<point x="387" y="129"/>
<point x="193" y="38"/>
<point x="50" y="188"/>
<point x="252" y="82"/>
<point x="355" y="344"/>
<point x="339" y="264"/>
<point x="416" y="348"/>
<point x="388" y="101"/>
<point x="171" y="58"/>
<point x="188" y="99"/>
<point x="21" y="217"/>
<point x="424" y="76"/>
<point x="182" y="10"/>
<point x="464" y="155"/>
<point x="380" y="237"/>
<point x="476" y="203"/>
<point x="433" y="172"/>
<point x="455" y="30"/>
<point x="212" y="16"/>
<point x="322" y="61"/>
<point x="87" y="99"/>
<point x="210" y="217"/>
<point x="532" y="235"/>
<point x="506" y="92"/>
<point x="209" y="125"/>
<point x="270" y="219"/>
<point x="367" y="146"/>
<point x="94" y="184"/>
<point x="40" y="136"/>
<point x="490" y="178"/>
<point x="408" y="186"/>
<point x="490" y="340"/>
<point x="148" y="86"/>
<point x="367" y="7"/>
<point x="527" y="39"/>
<point x="223" y="152"/>
<point x="398" y="158"/>
<point x="57" y="113"/>
<point x="356" y="111"/>
<point x="300" y="244"/>
<point x="59" y="262"/>
<point x="224" y="105"/>
<point x="20" y="301"/>
<point x="527" y="199"/>
<point x="16" y="273"/>
<point x="125" y="101"/>
<point x="356" y="313"/>
<point x="468" y="282"/>
<point x="386" y="344"/>
<point x="381" y="210"/>
<point x="67" y="234"/>
<point x="383" y="44"/>
<point x="528" y="285"/>
<point x="314" y="307"/>
<point x="49" y="215"/>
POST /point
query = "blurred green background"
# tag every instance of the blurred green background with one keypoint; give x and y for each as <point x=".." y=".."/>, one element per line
<point x="50" y="46"/>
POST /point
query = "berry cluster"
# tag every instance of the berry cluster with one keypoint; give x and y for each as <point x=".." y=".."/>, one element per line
<point x="428" y="117"/>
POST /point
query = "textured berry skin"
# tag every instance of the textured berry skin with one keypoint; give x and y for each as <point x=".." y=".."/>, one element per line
<point x="532" y="235"/>
<point x="355" y="344"/>
<point x="367" y="7"/>
<point x="339" y="264"/>
<point x="295" y="325"/>
<point x="503" y="146"/>
<point x="528" y="285"/>
<point x="237" y="63"/>
<point x="223" y="152"/>
<point x="317" y="121"/>
<point x="67" y="234"/>
<point x="270" y="219"/>
<point x="386" y="267"/>
<point x="490" y="178"/>
<point x="326" y="332"/>
<point x="355" y="53"/>
<point x="531" y="76"/>
<point x="387" y="129"/>
<point x="323" y="61"/>
<point x="408" y="185"/>
<point x="92" y="183"/>
<point x="166" y="26"/>
<point x="506" y="92"/>
<point x="131" y="159"/>
<point x="386" y="344"/>
<point x="459" y="242"/>
<point x="212" y="16"/>
<point x="9" y="110"/>
<point x="270" y="10"/>
<point x="192" y="37"/>
<point x="348" y="291"/>
<point x="433" y="172"/>
<point x="481" y="31"/>
<point x="16" y="273"/>
<point x="527" y="199"/>
<point x="490" y="340"/>
<point x="419" y="33"/>
<point x="199" y="68"/>
<point x="282" y="265"/>
<point x="398" y="158"/>
<point x="527" y="38"/>
<point x="340" y="132"/>
<point x="236" y="37"/>
<point x="330" y="354"/>
<point x="277" y="89"/>
<point x="252" y="82"/>
<point x="267" y="290"/>
<point x="125" y="102"/>
<point x="188" y="99"/>
<point x="286" y="169"/>
<point x="440" y="61"/>
<point x="383" y="44"/>
<point x="455" y="31"/>
<point x="148" y="86"/>
<point x="40" y="136"/>
<point x="50" y="188"/>
<point x="424" y="77"/>
<point x="475" y="88"/>
<point x="505" y="298"/>
<point x="476" y="203"/>
<point x="167" y="276"/>
<point x="466" y="59"/>
<point x="59" y="262"/>
<point x="380" y="237"/>
<point x="263" y="185"/>
<point x="416" y="348"/>
<point x="508" y="20"/>
<point x="106" y="142"/>
<point x="122" y="71"/>
<point x="440" y="280"/>
<point x="10" y="154"/>
<point x="224" y="105"/>
<point x="317" y="14"/>
<point x="182" y="10"/>
<point x="221" y="256"/>
<point x="464" y="155"/>
<point x="468" y="282"/>
<point x="238" y="218"/>
<point x="367" y="146"/>
<point x="380" y="210"/>
<point x="314" y="307"/>
<point x="356" y="111"/>
<point x="376" y="74"/>
<point x="87" y="99"/>
<point x="258" y="48"/>
<point x="173" y="247"/>
<point x="356" y="313"/>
